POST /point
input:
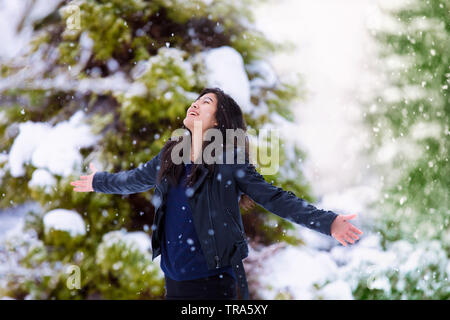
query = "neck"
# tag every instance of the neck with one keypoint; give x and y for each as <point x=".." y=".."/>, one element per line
<point x="196" y="146"/>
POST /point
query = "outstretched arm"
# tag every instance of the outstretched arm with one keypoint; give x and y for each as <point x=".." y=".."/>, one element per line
<point x="136" y="180"/>
<point x="287" y="205"/>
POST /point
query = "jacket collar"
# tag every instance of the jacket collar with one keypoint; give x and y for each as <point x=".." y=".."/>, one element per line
<point x="191" y="190"/>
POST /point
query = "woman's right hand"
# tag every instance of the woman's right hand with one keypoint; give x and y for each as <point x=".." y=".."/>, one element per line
<point x="85" y="182"/>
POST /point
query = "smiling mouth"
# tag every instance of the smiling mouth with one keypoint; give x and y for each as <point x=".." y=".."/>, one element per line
<point x="192" y="113"/>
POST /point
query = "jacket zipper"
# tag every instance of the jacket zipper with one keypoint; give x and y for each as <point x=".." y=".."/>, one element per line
<point x="216" y="257"/>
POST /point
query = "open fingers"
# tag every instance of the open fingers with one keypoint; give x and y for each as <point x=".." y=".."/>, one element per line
<point x="352" y="231"/>
<point x="341" y="240"/>
<point x="78" y="183"/>
<point x="355" y="229"/>
<point x="350" y="216"/>
<point x="352" y="235"/>
<point x="80" y="188"/>
<point x="348" y="239"/>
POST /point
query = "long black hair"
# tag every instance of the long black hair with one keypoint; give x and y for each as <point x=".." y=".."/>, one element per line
<point x="228" y="116"/>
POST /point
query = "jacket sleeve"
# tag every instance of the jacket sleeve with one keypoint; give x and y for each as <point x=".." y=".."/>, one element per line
<point x="136" y="180"/>
<point x="280" y="202"/>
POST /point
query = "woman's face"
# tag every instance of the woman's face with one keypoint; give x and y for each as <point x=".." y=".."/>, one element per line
<point x="203" y="110"/>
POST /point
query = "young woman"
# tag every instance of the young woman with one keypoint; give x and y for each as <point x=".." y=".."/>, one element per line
<point x="197" y="227"/>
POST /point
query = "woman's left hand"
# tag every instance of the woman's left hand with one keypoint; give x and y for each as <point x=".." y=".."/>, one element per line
<point x="342" y="230"/>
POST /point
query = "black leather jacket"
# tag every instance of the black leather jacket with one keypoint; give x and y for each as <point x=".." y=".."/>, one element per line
<point x="215" y="208"/>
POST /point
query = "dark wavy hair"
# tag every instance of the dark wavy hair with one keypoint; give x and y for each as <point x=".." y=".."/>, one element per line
<point x="228" y="116"/>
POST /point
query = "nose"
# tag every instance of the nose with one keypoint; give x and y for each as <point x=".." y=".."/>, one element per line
<point x="193" y="106"/>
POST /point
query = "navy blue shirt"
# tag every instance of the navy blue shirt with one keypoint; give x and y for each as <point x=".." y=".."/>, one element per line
<point x="181" y="254"/>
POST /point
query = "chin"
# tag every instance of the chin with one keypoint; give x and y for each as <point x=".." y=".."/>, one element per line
<point x="188" y="123"/>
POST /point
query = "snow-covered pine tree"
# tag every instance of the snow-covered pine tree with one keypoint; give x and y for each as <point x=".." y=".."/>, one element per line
<point x="409" y="119"/>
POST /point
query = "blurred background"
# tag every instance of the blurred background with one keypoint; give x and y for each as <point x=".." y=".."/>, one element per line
<point x="357" y="88"/>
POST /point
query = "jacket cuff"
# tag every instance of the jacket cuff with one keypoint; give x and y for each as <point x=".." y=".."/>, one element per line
<point x="97" y="181"/>
<point x="332" y="217"/>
